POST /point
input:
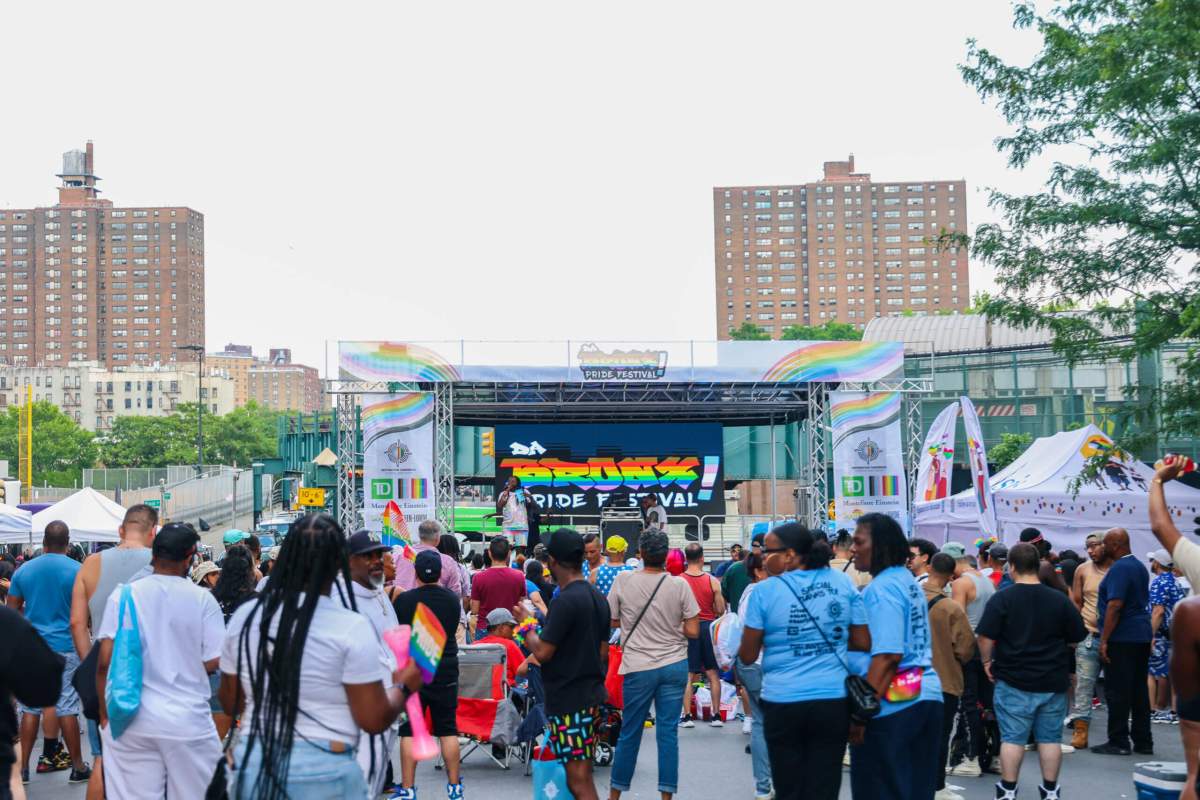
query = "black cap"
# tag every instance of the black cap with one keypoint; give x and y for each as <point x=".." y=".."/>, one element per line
<point x="175" y="541"/>
<point x="428" y="566"/>
<point x="566" y="545"/>
<point x="364" y="541"/>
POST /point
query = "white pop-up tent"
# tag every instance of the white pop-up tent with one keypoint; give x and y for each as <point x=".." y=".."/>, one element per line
<point x="15" y="524"/>
<point x="91" y="516"/>
<point x="1039" y="490"/>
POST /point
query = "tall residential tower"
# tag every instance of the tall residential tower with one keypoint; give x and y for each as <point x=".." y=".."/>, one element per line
<point x="843" y="248"/>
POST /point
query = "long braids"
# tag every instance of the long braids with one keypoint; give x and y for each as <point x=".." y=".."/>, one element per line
<point x="311" y="559"/>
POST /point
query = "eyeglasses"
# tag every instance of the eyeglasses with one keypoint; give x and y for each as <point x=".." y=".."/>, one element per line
<point x="770" y="550"/>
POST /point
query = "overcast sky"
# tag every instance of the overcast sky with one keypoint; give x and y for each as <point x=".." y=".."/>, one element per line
<point x="517" y="170"/>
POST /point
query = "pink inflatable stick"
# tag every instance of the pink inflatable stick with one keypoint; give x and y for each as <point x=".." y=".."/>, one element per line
<point x="424" y="746"/>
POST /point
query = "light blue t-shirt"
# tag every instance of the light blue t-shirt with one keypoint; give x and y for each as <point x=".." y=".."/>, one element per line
<point x="798" y="664"/>
<point x="45" y="583"/>
<point x="899" y="618"/>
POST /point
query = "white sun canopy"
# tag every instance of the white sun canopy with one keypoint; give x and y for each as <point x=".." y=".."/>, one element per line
<point x="91" y="516"/>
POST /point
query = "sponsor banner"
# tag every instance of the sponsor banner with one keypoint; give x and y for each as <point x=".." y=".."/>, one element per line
<point x="937" y="456"/>
<point x="728" y="362"/>
<point x="980" y="480"/>
<point x="398" y="463"/>
<point x="580" y="469"/>
<point x="868" y="456"/>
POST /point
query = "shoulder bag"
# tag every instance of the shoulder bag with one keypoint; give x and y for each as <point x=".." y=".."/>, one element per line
<point x="625" y="637"/>
<point x="864" y="702"/>
<point x="123" y="691"/>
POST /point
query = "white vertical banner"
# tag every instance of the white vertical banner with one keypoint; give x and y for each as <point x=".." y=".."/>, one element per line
<point x="397" y="435"/>
<point x="868" y="456"/>
<point x="980" y="480"/>
<point x="937" y="456"/>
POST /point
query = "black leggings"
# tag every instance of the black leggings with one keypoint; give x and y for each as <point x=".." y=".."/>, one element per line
<point x="805" y="743"/>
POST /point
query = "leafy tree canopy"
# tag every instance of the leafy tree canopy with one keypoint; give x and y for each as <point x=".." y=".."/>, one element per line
<point x="238" y="437"/>
<point x="1008" y="449"/>
<point x="749" y="332"/>
<point x="61" y="449"/>
<point x="828" y="331"/>
<point x="1114" y="97"/>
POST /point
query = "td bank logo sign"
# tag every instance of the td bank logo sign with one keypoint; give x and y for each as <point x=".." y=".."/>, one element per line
<point x="383" y="489"/>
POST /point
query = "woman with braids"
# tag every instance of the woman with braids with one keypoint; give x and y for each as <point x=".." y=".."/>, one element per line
<point x="303" y="671"/>
<point x="236" y="582"/>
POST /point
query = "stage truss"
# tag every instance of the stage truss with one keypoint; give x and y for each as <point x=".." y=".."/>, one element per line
<point x="488" y="404"/>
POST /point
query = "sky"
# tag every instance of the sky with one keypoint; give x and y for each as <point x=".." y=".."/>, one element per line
<point x="478" y="170"/>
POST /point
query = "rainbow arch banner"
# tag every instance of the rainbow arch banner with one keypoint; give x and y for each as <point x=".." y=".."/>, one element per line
<point x="596" y="361"/>
<point x="867" y="412"/>
<point x="868" y="456"/>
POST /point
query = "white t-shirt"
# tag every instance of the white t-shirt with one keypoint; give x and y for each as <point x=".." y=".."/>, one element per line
<point x="341" y="648"/>
<point x="180" y="626"/>
<point x="375" y="606"/>
<point x="1187" y="559"/>
<point x="656" y="518"/>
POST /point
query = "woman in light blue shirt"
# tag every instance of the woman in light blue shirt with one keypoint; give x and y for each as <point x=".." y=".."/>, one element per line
<point x="895" y="756"/>
<point x="804" y="619"/>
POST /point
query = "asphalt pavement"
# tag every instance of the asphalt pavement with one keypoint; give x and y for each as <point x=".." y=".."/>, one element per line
<point x="713" y="764"/>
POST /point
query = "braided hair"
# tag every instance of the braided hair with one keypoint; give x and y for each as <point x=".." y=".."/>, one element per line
<point x="312" y="558"/>
<point x="236" y="581"/>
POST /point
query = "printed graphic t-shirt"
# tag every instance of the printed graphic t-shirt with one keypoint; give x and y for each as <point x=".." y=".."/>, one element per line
<point x="899" y="620"/>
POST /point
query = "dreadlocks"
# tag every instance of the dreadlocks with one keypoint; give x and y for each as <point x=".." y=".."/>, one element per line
<point x="312" y="557"/>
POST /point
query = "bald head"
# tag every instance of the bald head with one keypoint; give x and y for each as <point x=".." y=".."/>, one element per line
<point x="1116" y="543"/>
<point x="56" y="537"/>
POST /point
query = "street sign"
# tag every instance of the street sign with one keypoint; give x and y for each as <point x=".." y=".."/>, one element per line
<point x="154" y="503"/>
<point x="311" y="497"/>
<point x="166" y="496"/>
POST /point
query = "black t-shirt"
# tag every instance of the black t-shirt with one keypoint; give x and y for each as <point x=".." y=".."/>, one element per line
<point x="1032" y="625"/>
<point x="29" y="671"/>
<point x="578" y="622"/>
<point x="447" y="607"/>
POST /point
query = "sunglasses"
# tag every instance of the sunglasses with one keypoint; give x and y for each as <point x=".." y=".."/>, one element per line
<point x="770" y="550"/>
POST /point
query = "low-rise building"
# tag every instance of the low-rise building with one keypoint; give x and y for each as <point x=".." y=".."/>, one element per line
<point x="274" y="382"/>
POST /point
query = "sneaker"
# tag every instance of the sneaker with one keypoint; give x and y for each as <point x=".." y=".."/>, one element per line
<point x="948" y="794"/>
<point x="717" y="723"/>
<point x="768" y="796"/>
<point x="1110" y="749"/>
<point x="404" y="794"/>
<point x="55" y="763"/>
<point x="1161" y="717"/>
<point x="1005" y="794"/>
<point x="967" y="768"/>
<point x="80" y="775"/>
<point x="687" y="721"/>
<point x="454" y="791"/>
<point x="747" y="726"/>
<point x="1048" y="794"/>
<point x="1068" y="748"/>
<point x="1144" y="750"/>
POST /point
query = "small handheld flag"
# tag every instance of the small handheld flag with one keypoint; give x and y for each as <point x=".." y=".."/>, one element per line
<point x="428" y="642"/>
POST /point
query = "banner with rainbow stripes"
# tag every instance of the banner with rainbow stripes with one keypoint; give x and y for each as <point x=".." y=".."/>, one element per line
<point x="398" y="464"/>
<point x="868" y="456"/>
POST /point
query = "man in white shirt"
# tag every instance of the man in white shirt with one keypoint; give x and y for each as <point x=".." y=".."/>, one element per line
<point x="1184" y="553"/>
<point x="366" y="574"/>
<point x="181" y="629"/>
<point x="655" y="514"/>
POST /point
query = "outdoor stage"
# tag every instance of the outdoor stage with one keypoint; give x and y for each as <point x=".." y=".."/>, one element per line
<point x="582" y="383"/>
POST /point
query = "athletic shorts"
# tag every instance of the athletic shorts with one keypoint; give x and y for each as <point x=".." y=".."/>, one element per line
<point x="69" y="704"/>
<point x="573" y="736"/>
<point x="701" y="657"/>
<point x="1160" y="657"/>
<point x="441" y="706"/>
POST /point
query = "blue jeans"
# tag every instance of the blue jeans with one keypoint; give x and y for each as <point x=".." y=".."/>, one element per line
<point x="1019" y="712"/>
<point x="1087" y="667"/>
<point x="664" y="687"/>
<point x="760" y="761"/>
<point x="898" y="757"/>
<point x="314" y="773"/>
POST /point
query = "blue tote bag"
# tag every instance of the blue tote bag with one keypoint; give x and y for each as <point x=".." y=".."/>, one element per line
<point x="549" y="776"/>
<point x="123" y="692"/>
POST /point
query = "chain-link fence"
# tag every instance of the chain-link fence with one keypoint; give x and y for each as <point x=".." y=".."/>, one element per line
<point x="126" y="478"/>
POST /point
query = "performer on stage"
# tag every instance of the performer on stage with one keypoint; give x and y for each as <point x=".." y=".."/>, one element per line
<point x="515" y="506"/>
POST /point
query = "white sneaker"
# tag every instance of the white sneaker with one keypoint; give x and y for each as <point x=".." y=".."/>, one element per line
<point x="768" y="796"/>
<point x="967" y="768"/>
<point x="1066" y="748"/>
<point x="747" y="726"/>
<point x="946" y="794"/>
<point x="717" y="723"/>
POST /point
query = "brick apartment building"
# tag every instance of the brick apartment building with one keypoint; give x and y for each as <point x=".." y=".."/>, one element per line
<point x="274" y="382"/>
<point x="86" y="281"/>
<point x="843" y="248"/>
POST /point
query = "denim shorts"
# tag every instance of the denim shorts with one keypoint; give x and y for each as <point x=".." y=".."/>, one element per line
<point x="93" y="732"/>
<point x="1019" y="712"/>
<point x="69" y="704"/>
<point x="314" y="773"/>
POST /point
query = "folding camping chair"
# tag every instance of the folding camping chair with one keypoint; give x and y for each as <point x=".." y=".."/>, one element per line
<point x="486" y="714"/>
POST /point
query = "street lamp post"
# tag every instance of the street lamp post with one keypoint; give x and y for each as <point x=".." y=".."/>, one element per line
<point x="199" y="350"/>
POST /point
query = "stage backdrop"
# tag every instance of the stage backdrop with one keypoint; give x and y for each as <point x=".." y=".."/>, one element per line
<point x="397" y="435"/>
<point x="868" y="457"/>
<point x="577" y="469"/>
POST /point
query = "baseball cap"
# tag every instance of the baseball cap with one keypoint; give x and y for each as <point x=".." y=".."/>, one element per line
<point x="500" y="616"/>
<point x="616" y="544"/>
<point x="654" y="543"/>
<point x="998" y="552"/>
<point x="175" y="541"/>
<point x="1094" y="536"/>
<point x="364" y="541"/>
<point x="232" y="536"/>
<point x="428" y="565"/>
<point x="757" y="539"/>
<point x="1031" y="535"/>
<point x="954" y="550"/>
<point x="1161" y="556"/>
<point x="203" y="569"/>
<point x="566" y="545"/>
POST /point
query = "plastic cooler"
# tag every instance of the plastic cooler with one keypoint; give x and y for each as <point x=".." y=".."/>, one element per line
<point x="1159" y="780"/>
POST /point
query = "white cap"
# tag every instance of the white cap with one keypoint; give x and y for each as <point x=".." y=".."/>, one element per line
<point x="1161" y="556"/>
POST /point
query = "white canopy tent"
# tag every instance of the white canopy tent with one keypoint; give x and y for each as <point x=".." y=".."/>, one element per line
<point x="15" y="524"/>
<point x="1037" y="490"/>
<point x="91" y="516"/>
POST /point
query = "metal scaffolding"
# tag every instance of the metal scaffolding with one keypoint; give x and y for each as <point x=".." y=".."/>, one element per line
<point x="443" y="454"/>
<point x="346" y="424"/>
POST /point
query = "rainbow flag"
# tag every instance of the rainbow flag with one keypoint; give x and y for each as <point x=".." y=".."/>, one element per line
<point x="883" y="486"/>
<point x="414" y="489"/>
<point x="395" y="529"/>
<point x="428" y="642"/>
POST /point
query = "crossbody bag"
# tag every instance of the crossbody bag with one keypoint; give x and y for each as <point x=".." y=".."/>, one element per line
<point x="625" y="639"/>
<point x="864" y="702"/>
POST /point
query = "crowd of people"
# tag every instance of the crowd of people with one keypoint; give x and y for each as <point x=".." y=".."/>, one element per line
<point x="268" y="676"/>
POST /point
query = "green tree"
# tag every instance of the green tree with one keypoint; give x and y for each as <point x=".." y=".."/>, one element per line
<point x="61" y="449"/>
<point x="749" y="332"/>
<point x="1114" y="93"/>
<point x="238" y="437"/>
<point x="1008" y="449"/>
<point x="141" y="441"/>
<point x="828" y="331"/>
<point x="242" y="435"/>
